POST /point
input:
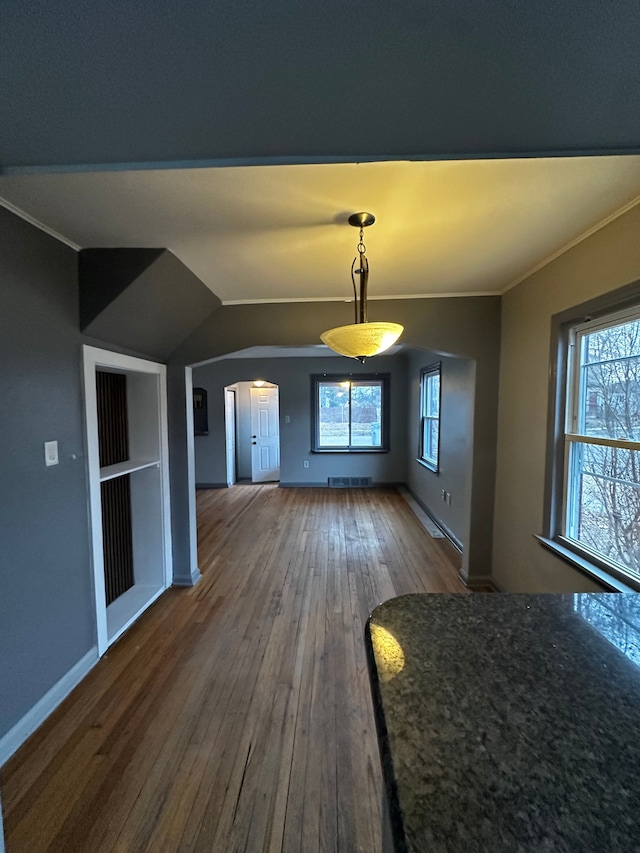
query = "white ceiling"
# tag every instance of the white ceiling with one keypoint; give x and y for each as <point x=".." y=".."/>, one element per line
<point x="267" y="233"/>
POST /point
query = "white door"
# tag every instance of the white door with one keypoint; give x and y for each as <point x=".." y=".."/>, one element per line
<point x="230" y="432"/>
<point x="265" y="435"/>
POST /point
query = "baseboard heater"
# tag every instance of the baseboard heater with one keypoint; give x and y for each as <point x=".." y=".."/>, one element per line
<point x="348" y="482"/>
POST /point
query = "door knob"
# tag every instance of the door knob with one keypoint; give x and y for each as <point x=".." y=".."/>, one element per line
<point x="254" y="436"/>
<point x="254" y="442"/>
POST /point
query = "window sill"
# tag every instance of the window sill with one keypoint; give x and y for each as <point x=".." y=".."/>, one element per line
<point x="428" y="466"/>
<point x="349" y="450"/>
<point x="584" y="565"/>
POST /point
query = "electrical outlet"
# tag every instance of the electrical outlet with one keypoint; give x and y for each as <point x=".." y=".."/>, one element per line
<point x="449" y="498"/>
<point x="305" y="464"/>
<point x="287" y="419"/>
<point x="443" y="492"/>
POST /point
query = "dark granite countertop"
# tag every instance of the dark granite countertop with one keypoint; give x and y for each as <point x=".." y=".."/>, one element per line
<point x="509" y="722"/>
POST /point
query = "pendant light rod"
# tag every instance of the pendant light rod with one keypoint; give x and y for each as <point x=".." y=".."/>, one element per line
<point x="361" y="220"/>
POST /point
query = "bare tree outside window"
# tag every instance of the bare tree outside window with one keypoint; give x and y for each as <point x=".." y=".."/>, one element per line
<point x="603" y="490"/>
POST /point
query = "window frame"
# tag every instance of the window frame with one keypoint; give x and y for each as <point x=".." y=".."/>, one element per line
<point x="383" y="379"/>
<point x="566" y="328"/>
<point x="425" y="374"/>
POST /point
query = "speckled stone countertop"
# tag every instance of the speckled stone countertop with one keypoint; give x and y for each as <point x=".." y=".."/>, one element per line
<point x="509" y="722"/>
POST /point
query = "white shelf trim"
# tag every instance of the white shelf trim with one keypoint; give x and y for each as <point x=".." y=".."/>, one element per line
<point x="94" y="359"/>
<point x="110" y="472"/>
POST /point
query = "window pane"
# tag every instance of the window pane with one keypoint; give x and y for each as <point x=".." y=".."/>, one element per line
<point x="432" y="396"/>
<point x="604" y="502"/>
<point x="366" y="414"/>
<point x="614" y="342"/>
<point x="430" y="431"/>
<point x="609" y="404"/>
<point x="434" y="440"/>
<point x="333" y="414"/>
<point x="611" y="399"/>
<point x="349" y="414"/>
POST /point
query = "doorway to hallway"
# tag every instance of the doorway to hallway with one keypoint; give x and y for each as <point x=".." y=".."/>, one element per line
<point x="252" y="432"/>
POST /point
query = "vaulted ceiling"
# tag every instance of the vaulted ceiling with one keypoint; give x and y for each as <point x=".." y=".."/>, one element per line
<point x="237" y="134"/>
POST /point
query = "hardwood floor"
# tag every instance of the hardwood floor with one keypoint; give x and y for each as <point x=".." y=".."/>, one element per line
<point x="235" y="716"/>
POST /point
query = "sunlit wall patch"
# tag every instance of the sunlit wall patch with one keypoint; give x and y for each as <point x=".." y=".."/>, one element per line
<point x="388" y="652"/>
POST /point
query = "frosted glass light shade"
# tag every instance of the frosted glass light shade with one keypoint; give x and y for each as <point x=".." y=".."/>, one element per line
<point x="362" y="340"/>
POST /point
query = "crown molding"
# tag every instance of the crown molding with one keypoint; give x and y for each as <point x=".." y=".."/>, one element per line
<point x="37" y="224"/>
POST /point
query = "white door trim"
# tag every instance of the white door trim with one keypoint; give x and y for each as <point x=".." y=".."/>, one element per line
<point x="230" y="431"/>
<point x="191" y="477"/>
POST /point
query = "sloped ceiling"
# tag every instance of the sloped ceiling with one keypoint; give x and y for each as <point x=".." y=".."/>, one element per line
<point x="254" y="81"/>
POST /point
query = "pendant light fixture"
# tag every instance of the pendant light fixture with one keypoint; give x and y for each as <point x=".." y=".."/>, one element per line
<point x="361" y="339"/>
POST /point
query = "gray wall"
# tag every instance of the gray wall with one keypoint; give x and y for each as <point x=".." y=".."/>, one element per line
<point x="608" y="259"/>
<point x="292" y="375"/>
<point x="47" y="607"/>
<point x="141" y="298"/>
<point x="456" y="442"/>
<point x="47" y="613"/>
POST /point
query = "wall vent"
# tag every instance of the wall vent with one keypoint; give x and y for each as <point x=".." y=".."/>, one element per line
<point x="349" y="482"/>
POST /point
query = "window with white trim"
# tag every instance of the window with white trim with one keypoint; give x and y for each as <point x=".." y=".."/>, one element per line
<point x="430" y="416"/>
<point x="600" y="506"/>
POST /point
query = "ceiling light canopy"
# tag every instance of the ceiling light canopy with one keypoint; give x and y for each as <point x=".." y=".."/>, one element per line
<point x="361" y="339"/>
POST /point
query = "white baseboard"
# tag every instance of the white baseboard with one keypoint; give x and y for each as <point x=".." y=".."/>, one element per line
<point x="418" y="507"/>
<point x="34" y="718"/>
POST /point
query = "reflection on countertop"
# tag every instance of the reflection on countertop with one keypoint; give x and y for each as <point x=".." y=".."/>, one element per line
<point x="616" y="617"/>
<point x="509" y="722"/>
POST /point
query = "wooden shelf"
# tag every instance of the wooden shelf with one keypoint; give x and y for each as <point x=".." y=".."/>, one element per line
<point x="128" y="467"/>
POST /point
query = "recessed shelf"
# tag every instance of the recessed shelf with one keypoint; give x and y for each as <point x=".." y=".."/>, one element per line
<point x="127" y="467"/>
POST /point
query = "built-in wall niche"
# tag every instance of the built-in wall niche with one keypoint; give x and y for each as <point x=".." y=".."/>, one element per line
<point x="128" y="474"/>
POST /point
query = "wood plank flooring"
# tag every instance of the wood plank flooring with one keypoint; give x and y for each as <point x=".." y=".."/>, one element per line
<point x="235" y="716"/>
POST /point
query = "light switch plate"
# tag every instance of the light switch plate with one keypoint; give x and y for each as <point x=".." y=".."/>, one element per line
<point x="51" y="453"/>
